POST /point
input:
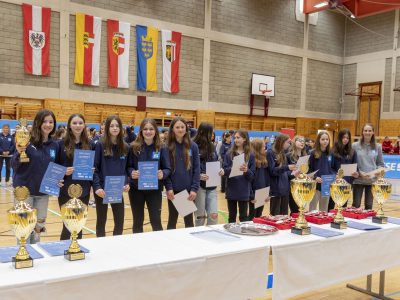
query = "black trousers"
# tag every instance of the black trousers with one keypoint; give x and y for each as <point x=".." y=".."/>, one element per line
<point x="173" y="217"/>
<point x="223" y="184"/>
<point x="279" y="205"/>
<point x="101" y="211"/>
<point x="65" y="234"/>
<point x="232" y="208"/>
<point x="292" y="204"/>
<point x="255" y="212"/>
<point x="357" y="194"/>
<point x="152" y="199"/>
<point x="8" y="166"/>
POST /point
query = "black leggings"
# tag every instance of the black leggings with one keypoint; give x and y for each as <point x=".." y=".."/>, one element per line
<point x="173" y="217"/>
<point x="279" y="205"/>
<point x="65" y="234"/>
<point x="232" y="208"/>
<point x="255" y="212"/>
<point x="152" y="199"/>
<point x="101" y="211"/>
<point x="292" y="204"/>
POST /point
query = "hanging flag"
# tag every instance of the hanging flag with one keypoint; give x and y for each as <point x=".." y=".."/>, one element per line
<point x="118" y="53"/>
<point x="146" y="43"/>
<point x="36" y="39"/>
<point x="87" y="38"/>
<point x="171" y="48"/>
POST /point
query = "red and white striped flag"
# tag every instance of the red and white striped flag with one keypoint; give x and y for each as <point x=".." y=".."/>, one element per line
<point x="36" y="39"/>
<point x="171" y="48"/>
<point x="118" y="53"/>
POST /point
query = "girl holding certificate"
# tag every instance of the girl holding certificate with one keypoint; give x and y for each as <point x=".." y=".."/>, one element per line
<point x="261" y="176"/>
<point x="296" y="150"/>
<point x="41" y="150"/>
<point x="369" y="159"/>
<point x="343" y="153"/>
<point x="206" y="200"/>
<point x="279" y="171"/>
<point x="321" y="160"/>
<point x="75" y="138"/>
<point x="147" y="148"/>
<point x="185" y="169"/>
<point x="238" y="188"/>
<point x="111" y="153"/>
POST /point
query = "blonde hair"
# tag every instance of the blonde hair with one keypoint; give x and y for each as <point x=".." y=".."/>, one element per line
<point x="258" y="148"/>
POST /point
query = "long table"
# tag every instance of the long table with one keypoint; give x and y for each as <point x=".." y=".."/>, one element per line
<point x="156" y="265"/>
<point x="176" y="265"/>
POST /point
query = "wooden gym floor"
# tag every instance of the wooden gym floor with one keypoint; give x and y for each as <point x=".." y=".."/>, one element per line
<point x="54" y="225"/>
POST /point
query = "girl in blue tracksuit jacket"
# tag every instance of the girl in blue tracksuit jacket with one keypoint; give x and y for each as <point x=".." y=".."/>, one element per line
<point x="185" y="169"/>
<point x="147" y="147"/>
<point x="238" y="188"/>
<point x="111" y="157"/>
<point x="76" y="138"/>
<point x="41" y="150"/>
<point x="261" y="176"/>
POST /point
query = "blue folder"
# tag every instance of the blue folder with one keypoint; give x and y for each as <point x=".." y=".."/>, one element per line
<point x="58" y="248"/>
<point x="362" y="226"/>
<point x="324" y="232"/>
<point x="6" y="253"/>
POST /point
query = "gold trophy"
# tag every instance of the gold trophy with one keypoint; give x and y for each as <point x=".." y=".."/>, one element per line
<point x="340" y="191"/>
<point x="22" y="219"/>
<point x="303" y="190"/>
<point x="74" y="214"/>
<point x="381" y="190"/>
<point x="22" y="137"/>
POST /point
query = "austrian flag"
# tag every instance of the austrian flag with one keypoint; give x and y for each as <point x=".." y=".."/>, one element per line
<point x="118" y="53"/>
<point x="36" y="39"/>
<point x="171" y="47"/>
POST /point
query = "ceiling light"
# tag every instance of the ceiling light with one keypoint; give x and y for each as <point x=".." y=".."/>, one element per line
<point x="322" y="4"/>
<point x="352" y="16"/>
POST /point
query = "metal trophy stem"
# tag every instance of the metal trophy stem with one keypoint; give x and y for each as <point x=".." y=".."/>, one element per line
<point x="381" y="190"/>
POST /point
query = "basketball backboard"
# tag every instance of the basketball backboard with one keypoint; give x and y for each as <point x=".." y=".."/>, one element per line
<point x="263" y="85"/>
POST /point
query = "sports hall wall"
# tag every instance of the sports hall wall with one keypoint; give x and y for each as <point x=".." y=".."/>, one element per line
<point x="223" y="42"/>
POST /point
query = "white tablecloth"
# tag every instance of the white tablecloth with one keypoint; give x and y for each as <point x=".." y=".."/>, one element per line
<point x="302" y="264"/>
<point x="157" y="265"/>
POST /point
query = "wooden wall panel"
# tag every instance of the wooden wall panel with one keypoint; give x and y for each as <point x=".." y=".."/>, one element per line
<point x="64" y="108"/>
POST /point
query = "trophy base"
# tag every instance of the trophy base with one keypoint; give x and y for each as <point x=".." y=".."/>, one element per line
<point x="22" y="263"/>
<point x="24" y="159"/>
<point x="301" y="231"/>
<point x="379" y="220"/>
<point x="341" y="225"/>
<point x="74" y="256"/>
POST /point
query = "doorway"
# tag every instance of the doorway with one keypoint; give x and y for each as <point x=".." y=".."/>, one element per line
<point x="369" y="106"/>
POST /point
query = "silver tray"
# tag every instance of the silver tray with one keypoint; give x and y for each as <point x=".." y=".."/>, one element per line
<point x="250" y="228"/>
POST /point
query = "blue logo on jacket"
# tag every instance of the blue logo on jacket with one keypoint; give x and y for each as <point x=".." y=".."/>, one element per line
<point x="52" y="154"/>
<point x="156" y="155"/>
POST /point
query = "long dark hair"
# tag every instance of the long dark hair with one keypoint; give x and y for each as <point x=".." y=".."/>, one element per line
<point x="340" y="150"/>
<point x="172" y="146"/>
<point x="246" y="145"/>
<point x="258" y="149"/>
<point x="278" y="150"/>
<point x="69" y="139"/>
<point x="373" y="142"/>
<point x="203" y="139"/>
<point x="317" y="148"/>
<point x="106" y="139"/>
<point x="137" y="145"/>
<point x="36" y="134"/>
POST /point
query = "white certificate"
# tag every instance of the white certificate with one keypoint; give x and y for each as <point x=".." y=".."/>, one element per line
<point x="303" y="160"/>
<point x="311" y="175"/>
<point x="261" y="196"/>
<point x="237" y="162"/>
<point x="183" y="205"/>
<point x="349" y="169"/>
<point x="212" y="170"/>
